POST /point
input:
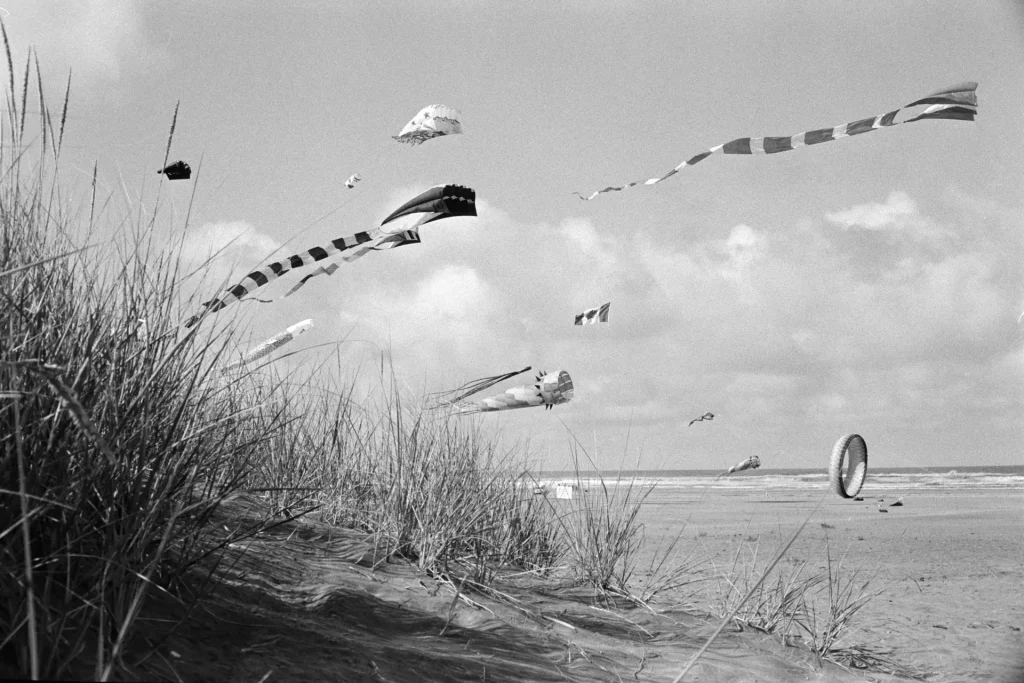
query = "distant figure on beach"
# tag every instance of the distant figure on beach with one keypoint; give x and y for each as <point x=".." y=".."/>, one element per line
<point x="881" y="509"/>
<point x="705" y="416"/>
<point x="751" y="463"/>
<point x="898" y="503"/>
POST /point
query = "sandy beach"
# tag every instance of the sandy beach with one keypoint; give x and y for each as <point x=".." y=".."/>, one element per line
<point x="304" y="601"/>
<point x="951" y="563"/>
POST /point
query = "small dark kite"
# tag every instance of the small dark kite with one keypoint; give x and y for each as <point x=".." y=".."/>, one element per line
<point x="705" y="416"/>
<point x="179" y="170"/>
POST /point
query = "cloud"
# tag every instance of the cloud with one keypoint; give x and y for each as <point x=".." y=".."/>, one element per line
<point x="762" y="325"/>
<point x="891" y="214"/>
<point x="222" y="250"/>
<point x="98" y="38"/>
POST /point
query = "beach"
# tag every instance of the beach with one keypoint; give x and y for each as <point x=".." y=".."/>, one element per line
<point x="318" y="602"/>
<point x="950" y="560"/>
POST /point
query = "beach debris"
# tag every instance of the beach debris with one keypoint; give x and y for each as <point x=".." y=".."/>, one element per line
<point x="858" y="498"/>
<point x="959" y="102"/>
<point x="857" y="467"/>
<point x="565" y="491"/>
<point x="352" y="180"/>
<point x="705" y="416"/>
<point x="272" y="344"/>
<point x="898" y="503"/>
<point x="550" y="389"/>
<point x="593" y="315"/>
<point x="398" y="229"/>
<point x="881" y="509"/>
<point x="178" y="170"/>
<point x="432" y="121"/>
<point x="751" y="463"/>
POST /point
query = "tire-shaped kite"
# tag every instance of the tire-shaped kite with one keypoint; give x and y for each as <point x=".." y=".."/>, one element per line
<point x="857" y="468"/>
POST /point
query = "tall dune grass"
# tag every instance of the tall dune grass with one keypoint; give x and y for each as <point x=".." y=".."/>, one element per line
<point x="120" y="435"/>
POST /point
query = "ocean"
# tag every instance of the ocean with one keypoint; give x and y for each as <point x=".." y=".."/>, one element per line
<point x="881" y="479"/>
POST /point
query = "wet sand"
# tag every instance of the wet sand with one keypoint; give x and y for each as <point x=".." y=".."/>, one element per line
<point x="951" y="563"/>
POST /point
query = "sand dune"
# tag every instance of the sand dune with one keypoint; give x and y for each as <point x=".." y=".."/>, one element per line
<point x="303" y="601"/>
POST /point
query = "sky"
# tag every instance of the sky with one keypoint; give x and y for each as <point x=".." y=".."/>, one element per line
<point x="870" y="285"/>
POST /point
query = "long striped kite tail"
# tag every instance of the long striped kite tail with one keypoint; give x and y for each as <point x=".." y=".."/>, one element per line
<point x="959" y="102"/>
<point x="272" y="271"/>
<point x="441" y="399"/>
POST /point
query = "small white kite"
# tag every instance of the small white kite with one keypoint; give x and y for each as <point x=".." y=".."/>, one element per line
<point x="272" y="344"/>
<point x="751" y="463"/>
<point x="352" y="180"/>
<point x="432" y="121"/>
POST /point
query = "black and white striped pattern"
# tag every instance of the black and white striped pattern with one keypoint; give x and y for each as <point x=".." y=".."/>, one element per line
<point x="958" y="102"/>
<point x="390" y="242"/>
<point x="437" y="203"/>
<point x="594" y="315"/>
<point x="272" y="271"/>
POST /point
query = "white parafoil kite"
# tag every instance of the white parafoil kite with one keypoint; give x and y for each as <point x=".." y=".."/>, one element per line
<point x="272" y="344"/>
<point x="431" y="122"/>
<point x="550" y="389"/>
<point x="857" y="468"/>
<point x="352" y="180"/>
<point x="751" y="463"/>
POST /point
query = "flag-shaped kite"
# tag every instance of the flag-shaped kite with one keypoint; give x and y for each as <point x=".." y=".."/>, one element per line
<point x="593" y="315"/>
<point x="437" y="203"/>
<point x="959" y="102"/>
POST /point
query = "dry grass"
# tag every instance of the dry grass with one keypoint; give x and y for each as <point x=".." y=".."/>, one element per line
<point x="119" y="443"/>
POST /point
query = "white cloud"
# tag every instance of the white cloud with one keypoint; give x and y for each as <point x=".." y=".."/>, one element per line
<point x="223" y="249"/>
<point x="889" y="215"/>
<point x="97" y="38"/>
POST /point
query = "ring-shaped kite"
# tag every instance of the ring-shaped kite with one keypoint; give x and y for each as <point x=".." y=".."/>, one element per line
<point x="857" y="468"/>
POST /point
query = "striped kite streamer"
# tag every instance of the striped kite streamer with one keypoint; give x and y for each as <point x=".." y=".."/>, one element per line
<point x="959" y="102"/>
<point x="390" y="242"/>
<point x="593" y="315"/>
<point x="437" y="203"/>
<point x="272" y="271"/>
